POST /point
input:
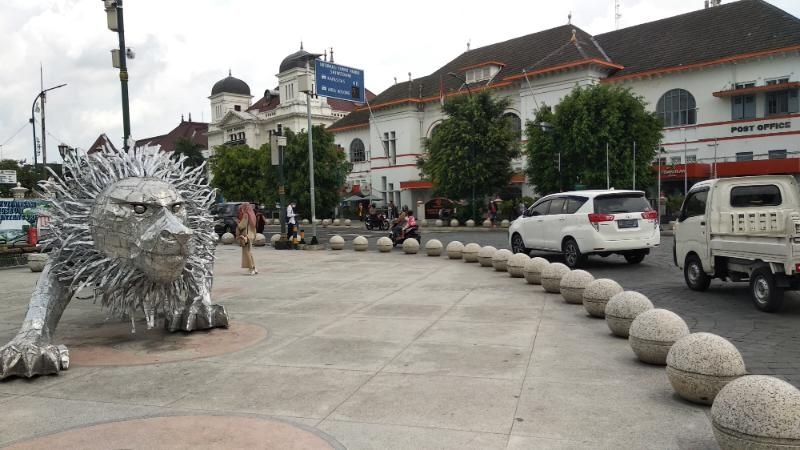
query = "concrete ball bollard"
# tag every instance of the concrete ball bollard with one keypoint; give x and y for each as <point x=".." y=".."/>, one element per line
<point x="470" y="223"/>
<point x="422" y="222"/>
<point x="500" y="260"/>
<point x="228" y="238"/>
<point x="701" y="364"/>
<point x="276" y="221"/>
<point x="347" y="222"/>
<point x="597" y="295"/>
<point x="454" y="250"/>
<point x="622" y="309"/>
<point x="326" y="222"/>
<point x="274" y="238"/>
<point x="757" y="412"/>
<point x="433" y="247"/>
<point x="454" y="223"/>
<point x="505" y="223"/>
<point x="305" y="222"/>
<point x="487" y="223"/>
<point x="485" y="255"/>
<point x="516" y="264"/>
<point x="260" y="240"/>
<point x="438" y="223"/>
<point x="552" y="275"/>
<point x="470" y="252"/>
<point x="385" y="244"/>
<point x="336" y="242"/>
<point x="533" y="270"/>
<point x="410" y="246"/>
<point x="574" y="284"/>
<point x="336" y="222"/>
<point x="652" y="334"/>
<point x="37" y="261"/>
<point x="360" y="244"/>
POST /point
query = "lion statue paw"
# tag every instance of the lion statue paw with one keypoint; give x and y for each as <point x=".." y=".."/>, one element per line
<point x="25" y="359"/>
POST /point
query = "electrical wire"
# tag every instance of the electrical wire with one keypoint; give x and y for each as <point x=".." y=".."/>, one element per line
<point x="15" y="134"/>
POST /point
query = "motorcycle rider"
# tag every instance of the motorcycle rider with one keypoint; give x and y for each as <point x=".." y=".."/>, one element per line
<point x="399" y="224"/>
<point x="373" y="215"/>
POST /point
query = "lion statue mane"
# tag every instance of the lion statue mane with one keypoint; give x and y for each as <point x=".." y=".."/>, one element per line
<point x="136" y="229"/>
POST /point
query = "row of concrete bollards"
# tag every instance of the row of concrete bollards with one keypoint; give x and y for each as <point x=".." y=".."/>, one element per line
<point x="747" y="411"/>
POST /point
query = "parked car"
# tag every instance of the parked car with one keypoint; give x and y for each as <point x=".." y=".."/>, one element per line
<point x="742" y="229"/>
<point x="225" y="215"/>
<point x="582" y="223"/>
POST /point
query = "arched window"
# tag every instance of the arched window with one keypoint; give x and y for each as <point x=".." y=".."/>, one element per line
<point x="677" y="107"/>
<point x="516" y="123"/>
<point x="357" y="152"/>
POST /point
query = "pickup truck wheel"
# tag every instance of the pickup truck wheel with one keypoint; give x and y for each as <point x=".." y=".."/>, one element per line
<point x="573" y="257"/>
<point x="766" y="295"/>
<point x="693" y="273"/>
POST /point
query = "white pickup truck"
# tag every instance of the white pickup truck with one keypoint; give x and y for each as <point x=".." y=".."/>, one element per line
<point x="742" y="229"/>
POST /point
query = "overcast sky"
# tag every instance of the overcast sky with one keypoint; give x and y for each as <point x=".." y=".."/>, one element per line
<point x="184" y="47"/>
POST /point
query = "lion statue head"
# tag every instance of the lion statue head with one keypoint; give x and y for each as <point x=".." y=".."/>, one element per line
<point x="135" y="227"/>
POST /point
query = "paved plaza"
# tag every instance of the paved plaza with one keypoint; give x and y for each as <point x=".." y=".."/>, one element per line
<point x="350" y="350"/>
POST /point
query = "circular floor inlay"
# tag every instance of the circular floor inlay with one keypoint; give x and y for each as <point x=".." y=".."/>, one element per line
<point x="187" y="432"/>
<point x="113" y="344"/>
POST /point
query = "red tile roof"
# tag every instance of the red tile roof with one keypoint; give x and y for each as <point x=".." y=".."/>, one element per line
<point x="197" y="132"/>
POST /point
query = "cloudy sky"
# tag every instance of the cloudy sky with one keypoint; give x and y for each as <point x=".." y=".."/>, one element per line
<point x="184" y="47"/>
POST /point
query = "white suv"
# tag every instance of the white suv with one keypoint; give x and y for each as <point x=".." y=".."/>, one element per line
<point x="581" y="223"/>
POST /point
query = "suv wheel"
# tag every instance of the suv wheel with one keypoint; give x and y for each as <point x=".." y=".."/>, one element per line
<point x="518" y="245"/>
<point x="693" y="273"/>
<point x="573" y="257"/>
<point x="766" y="295"/>
<point x="634" y="258"/>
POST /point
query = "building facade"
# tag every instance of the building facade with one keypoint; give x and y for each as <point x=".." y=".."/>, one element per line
<point x="236" y="120"/>
<point x="723" y="79"/>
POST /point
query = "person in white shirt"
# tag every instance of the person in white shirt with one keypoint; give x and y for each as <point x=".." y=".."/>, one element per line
<point x="291" y="232"/>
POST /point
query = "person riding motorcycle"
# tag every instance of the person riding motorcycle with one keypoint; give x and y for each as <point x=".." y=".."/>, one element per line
<point x="400" y="224"/>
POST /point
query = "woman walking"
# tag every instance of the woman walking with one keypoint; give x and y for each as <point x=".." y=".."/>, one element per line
<point x="245" y="235"/>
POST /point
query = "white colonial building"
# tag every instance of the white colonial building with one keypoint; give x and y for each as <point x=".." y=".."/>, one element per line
<point x="723" y="79"/>
<point x="236" y="120"/>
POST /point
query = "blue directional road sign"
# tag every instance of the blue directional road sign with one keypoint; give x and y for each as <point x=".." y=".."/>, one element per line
<point x="342" y="82"/>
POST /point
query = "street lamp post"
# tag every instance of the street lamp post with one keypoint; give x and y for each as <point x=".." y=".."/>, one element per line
<point x="471" y="147"/>
<point x="119" y="57"/>
<point x="42" y="94"/>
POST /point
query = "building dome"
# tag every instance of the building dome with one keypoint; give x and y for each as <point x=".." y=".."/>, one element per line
<point x="296" y="60"/>
<point x="230" y="85"/>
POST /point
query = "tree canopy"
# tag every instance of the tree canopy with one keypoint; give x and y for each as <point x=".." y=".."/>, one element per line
<point x="192" y="151"/>
<point x="246" y="174"/>
<point x="580" y="127"/>
<point x="471" y="148"/>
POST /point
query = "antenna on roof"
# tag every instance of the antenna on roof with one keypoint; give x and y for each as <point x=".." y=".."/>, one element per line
<point x="468" y="41"/>
<point x="409" y="77"/>
<point x="229" y="71"/>
<point x="617" y="14"/>
<point x="331" y="54"/>
<point x="395" y="80"/>
<point x="301" y="44"/>
<point x="325" y="55"/>
<point x="569" y="18"/>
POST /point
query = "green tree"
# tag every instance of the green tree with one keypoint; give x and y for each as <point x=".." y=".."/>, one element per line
<point x="330" y="169"/>
<point x="580" y="127"/>
<point x="240" y="172"/>
<point x="471" y="149"/>
<point x="192" y="151"/>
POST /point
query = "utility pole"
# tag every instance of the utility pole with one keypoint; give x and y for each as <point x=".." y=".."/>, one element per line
<point x="634" y="165"/>
<point x="309" y="95"/>
<point x="608" y="175"/>
<point x="277" y="142"/>
<point x="119" y="60"/>
<point x="685" y="166"/>
<point x="41" y="95"/>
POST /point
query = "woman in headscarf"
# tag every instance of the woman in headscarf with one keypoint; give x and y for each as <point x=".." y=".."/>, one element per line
<point x="245" y="235"/>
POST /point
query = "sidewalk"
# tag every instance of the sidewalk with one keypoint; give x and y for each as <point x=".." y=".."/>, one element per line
<point x="351" y="350"/>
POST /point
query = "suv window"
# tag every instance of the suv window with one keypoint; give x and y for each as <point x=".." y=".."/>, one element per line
<point x="540" y="209"/>
<point x="753" y="196"/>
<point x="695" y="205"/>
<point x="621" y="203"/>
<point x="557" y="205"/>
<point x="574" y="204"/>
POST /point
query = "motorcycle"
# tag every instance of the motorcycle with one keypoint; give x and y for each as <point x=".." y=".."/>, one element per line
<point x="411" y="232"/>
<point x="379" y="223"/>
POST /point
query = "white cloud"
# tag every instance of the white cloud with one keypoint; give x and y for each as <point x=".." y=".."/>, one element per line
<point x="183" y="48"/>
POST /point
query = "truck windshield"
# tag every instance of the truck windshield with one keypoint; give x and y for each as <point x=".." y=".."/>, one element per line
<point x="620" y="203"/>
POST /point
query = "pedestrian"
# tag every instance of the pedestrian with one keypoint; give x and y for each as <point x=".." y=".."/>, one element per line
<point x="361" y="211"/>
<point x="246" y="234"/>
<point x="291" y="222"/>
<point x="492" y="213"/>
<point x="392" y="210"/>
<point x="522" y="208"/>
<point x="261" y="222"/>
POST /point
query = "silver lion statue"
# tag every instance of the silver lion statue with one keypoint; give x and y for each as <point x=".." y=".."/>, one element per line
<point x="136" y="230"/>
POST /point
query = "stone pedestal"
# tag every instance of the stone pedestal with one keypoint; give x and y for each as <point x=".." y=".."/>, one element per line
<point x="18" y="192"/>
<point x="652" y="334"/>
<point x="360" y="244"/>
<point x="487" y="223"/>
<point x="757" y="412"/>
<point x="516" y="264"/>
<point x="454" y="223"/>
<point x="500" y="260"/>
<point x="37" y="261"/>
<point x="552" y="275"/>
<point x="470" y="223"/>
<point x="574" y="284"/>
<point x="470" y="252"/>
<point x="701" y="364"/>
<point x="260" y="240"/>
<point x="438" y="223"/>
<point x="533" y="270"/>
<point x="336" y="242"/>
<point x="410" y="246"/>
<point x="597" y="295"/>
<point x="485" y="255"/>
<point x="505" y="223"/>
<point x="385" y="244"/>
<point x="622" y="309"/>
<point x="228" y="238"/>
<point x="454" y="249"/>
<point x="433" y="247"/>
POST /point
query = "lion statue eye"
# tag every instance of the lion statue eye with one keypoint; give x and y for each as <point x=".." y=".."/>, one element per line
<point x="177" y="207"/>
<point x="139" y="208"/>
